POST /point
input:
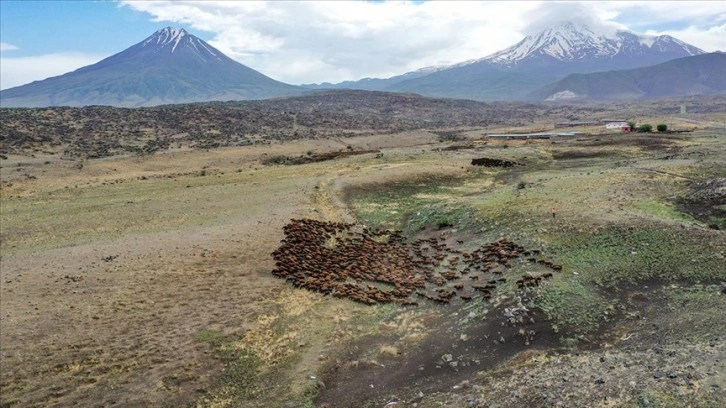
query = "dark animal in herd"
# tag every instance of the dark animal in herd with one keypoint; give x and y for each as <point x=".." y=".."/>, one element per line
<point x="378" y="266"/>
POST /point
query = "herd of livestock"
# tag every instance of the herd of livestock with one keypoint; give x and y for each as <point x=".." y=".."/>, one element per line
<point x="379" y="266"/>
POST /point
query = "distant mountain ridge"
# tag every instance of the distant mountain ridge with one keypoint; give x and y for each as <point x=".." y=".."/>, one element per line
<point x="171" y="66"/>
<point x="537" y="60"/>
<point x="697" y="75"/>
<point x="374" y="84"/>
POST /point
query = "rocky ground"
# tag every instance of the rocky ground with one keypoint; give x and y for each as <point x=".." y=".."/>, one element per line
<point x="659" y="376"/>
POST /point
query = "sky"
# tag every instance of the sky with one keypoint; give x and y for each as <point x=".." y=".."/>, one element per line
<point x="323" y="41"/>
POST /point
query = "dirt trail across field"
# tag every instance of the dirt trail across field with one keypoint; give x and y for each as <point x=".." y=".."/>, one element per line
<point x="114" y="319"/>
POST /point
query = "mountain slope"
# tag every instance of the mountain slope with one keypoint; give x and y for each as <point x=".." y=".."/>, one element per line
<point x="698" y="75"/>
<point x="374" y="84"/>
<point x="537" y="60"/>
<point x="481" y="82"/>
<point x="171" y="66"/>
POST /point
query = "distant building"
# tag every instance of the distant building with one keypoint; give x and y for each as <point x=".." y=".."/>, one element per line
<point x="606" y="121"/>
<point x="621" y="126"/>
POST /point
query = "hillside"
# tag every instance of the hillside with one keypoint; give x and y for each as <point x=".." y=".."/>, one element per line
<point x="698" y="75"/>
<point x="101" y="131"/>
<point x="96" y="131"/>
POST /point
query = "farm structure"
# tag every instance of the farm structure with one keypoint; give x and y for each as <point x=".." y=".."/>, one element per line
<point x="621" y="126"/>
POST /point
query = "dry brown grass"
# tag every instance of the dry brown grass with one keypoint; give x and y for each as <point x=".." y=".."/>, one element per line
<point x="187" y="237"/>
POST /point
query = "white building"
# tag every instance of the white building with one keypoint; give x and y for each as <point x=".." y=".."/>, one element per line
<point x="621" y="126"/>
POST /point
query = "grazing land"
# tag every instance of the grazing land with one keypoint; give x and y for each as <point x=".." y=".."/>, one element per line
<point x="359" y="258"/>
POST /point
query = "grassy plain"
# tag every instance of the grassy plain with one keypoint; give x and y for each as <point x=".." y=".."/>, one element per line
<point x="145" y="281"/>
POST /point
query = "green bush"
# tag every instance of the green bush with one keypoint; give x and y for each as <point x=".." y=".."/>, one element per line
<point x="646" y="128"/>
<point x="449" y="137"/>
<point x="662" y="127"/>
<point x="444" y="222"/>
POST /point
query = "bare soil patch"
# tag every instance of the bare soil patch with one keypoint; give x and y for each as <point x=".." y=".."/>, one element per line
<point x="580" y="154"/>
<point x="652" y="142"/>
<point x="446" y="354"/>
<point x="314" y="158"/>
<point x="707" y="202"/>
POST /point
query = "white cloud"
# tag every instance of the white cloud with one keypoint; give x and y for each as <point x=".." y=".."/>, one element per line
<point x="17" y="71"/>
<point x="307" y="41"/>
<point x="647" y="13"/>
<point x="589" y="14"/>
<point x="709" y="39"/>
<point x="700" y="23"/>
<point x="7" y="47"/>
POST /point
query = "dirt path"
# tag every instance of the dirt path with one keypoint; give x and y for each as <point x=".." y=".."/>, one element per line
<point x="115" y="319"/>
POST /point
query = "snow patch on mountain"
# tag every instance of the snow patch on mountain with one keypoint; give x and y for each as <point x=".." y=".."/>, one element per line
<point x="562" y="96"/>
<point x="432" y="69"/>
<point x="166" y="36"/>
<point x="204" y="52"/>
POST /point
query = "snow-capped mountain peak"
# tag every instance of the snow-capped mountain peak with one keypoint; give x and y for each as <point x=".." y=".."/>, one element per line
<point x="566" y="41"/>
<point x="571" y="42"/>
<point x="167" y="35"/>
<point x="173" y="39"/>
